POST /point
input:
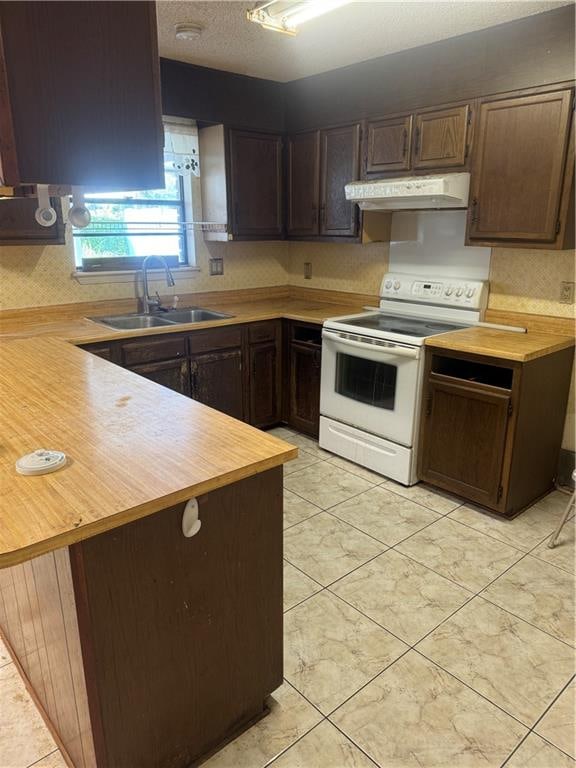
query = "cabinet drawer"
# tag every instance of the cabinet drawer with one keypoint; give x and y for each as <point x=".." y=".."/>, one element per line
<point x="165" y="347"/>
<point x="267" y="331"/>
<point x="306" y="334"/>
<point x="215" y="338"/>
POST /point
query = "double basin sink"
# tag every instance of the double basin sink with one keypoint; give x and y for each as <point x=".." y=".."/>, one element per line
<point x="170" y="317"/>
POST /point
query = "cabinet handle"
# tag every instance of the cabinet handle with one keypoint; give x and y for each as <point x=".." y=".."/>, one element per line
<point x="429" y="404"/>
<point x="417" y="142"/>
<point x="323" y="214"/>
<point x="314" y="215"/>
<point x="474" y="217"/>
<point x="405" y="143"/>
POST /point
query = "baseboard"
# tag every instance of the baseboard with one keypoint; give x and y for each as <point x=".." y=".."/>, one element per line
<point x="566" y="465"/>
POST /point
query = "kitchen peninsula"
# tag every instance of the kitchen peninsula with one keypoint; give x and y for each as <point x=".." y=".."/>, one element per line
<point x="143" y="646"/>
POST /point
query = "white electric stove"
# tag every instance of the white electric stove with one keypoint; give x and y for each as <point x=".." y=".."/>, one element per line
<point x="372" y="368"/>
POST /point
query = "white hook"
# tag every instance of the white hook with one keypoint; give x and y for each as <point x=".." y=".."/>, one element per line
<point x="45" y="215"/>
<point x="190" y="522"/>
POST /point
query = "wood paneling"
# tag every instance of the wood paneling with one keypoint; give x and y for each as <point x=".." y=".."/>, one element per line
<point x="214" y="96"/>
<point x="303" y="180"/>
<point x="182" y="637"/>
<point x="518" y="173"/>
<point x="255" y="184"/>
<point x="440" y="138"/>
<point x="96" y="123"/>
<point x="388" y="144"/>
<point x="339" y="164"/>
<point x="39" y="621"/>
<point x="537" y="50"/>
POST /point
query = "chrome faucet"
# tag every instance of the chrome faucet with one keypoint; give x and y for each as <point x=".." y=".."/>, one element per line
<point x="148" y="301"/>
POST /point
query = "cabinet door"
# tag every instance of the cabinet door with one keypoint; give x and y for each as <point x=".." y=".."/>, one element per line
<point x="518" y="171"/>
<point x="216" y="380"/>
<point x="388" y="145"/>
<point x="303" y="170"/>
<point x="264" y="384"/>
<point x="339" y="164"/>
<point x="464" y="435"/>
<point x="440" y="138"/>
<point x="255" y="184"/>
<point x="304" y="400"/>
<point x="174" y="374"/>
<point x="94" y="123"/>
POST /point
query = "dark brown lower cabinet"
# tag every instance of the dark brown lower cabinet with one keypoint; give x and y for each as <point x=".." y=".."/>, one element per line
<point x="491" y="428"/>
<point x="174" y="374"/>
<point x="304" y="356"/>
<point x="264" y="362"/>
<point x="216" y="380"/>
<point x="156" y="649"/>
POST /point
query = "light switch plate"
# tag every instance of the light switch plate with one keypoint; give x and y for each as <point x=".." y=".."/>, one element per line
<point x="566" y="292"/>
<point x="216" y="266"/>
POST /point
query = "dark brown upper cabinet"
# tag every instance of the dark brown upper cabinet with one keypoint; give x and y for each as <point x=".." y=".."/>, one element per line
<point x="522" y="177"/>
<point x="303" y="183"/>
<point x="19" y="227"/>
<point x="389" y="144"/>
<point x="424" y="142"/>
<point x="80" y="95"/>
<point x="440" y="138"/>
<point x="255" y="185"/>
<point x="339" y="164"/>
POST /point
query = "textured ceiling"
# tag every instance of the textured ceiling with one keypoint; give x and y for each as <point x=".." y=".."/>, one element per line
<point x="353" y="33"/>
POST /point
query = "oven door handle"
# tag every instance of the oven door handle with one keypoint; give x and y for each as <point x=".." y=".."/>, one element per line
<point x="394" y="350"/>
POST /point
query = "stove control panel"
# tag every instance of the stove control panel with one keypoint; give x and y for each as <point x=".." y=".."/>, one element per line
<point x="446" y="291"/>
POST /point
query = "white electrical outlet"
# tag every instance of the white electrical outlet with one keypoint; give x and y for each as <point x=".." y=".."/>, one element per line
<point x="566" y="292"/>
<point x="308" y="270"/>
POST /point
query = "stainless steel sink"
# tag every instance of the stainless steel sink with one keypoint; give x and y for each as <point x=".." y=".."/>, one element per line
<point x="194" y="315"/>
<point x="130" y="322"/>
<point x="172" y="317"/>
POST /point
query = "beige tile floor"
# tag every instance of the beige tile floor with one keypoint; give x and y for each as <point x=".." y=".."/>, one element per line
<point x="419" y="633"/>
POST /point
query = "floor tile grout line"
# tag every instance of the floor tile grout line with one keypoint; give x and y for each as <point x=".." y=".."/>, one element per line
<point x="314" y="514"/>
<point x="303" y="572"/>
<point x="52" y="752"/>
<point x="467" y="685"/>
<point x="494" y="538"/>
<point x="351" y="740"/>
<point x="549" y="707"/>
<point x="516" y="748"/>
<point x="522" y="618"/>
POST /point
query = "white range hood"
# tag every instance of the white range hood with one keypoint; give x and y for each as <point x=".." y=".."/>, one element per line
<point x="411" y="193"/>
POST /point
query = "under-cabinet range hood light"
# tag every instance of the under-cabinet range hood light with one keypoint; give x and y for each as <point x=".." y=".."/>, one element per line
<point x="411" y="193"/>
<point x="286" y="15"/>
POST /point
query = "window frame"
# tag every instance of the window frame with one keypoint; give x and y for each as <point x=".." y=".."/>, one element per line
<point x="130" y="264"/>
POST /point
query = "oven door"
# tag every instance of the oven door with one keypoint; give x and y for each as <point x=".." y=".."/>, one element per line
<point x="370" y="384"/>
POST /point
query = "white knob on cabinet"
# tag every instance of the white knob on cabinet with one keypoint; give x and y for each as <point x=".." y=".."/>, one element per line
<point x="190" y="522"/>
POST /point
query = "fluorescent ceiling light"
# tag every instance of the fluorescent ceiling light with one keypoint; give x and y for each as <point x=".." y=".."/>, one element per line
<point x="286" y="15"/>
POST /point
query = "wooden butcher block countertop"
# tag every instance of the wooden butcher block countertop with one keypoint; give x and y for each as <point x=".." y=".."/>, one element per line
<point x="134" y="447"/>
<point x="507" y="345"/>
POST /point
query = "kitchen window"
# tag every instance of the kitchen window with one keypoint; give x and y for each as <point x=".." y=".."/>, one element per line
<point x="128" y="226"/>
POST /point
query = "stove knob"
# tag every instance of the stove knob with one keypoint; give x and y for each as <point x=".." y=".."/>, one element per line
<point x="388" y="284"/>
<point x="459" y="291"/>
<point x="449" y="290"/>
<point x="470" y="292"/>
<point x="396" y="284"/>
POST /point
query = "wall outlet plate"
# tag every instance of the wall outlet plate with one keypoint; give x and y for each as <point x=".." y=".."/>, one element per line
<point x="308" y="270"/>
<point x="566" y="292"/>
<point x="216" y="266"/>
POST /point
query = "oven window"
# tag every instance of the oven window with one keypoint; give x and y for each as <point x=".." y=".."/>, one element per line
<point x="366" y="381"/>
